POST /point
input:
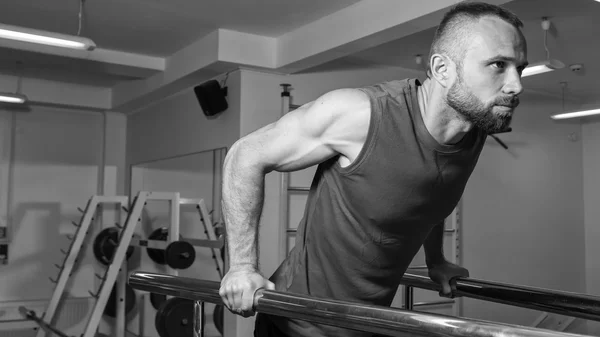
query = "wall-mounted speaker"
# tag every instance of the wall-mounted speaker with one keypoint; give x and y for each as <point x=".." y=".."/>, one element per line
<point x="211" y="97"/>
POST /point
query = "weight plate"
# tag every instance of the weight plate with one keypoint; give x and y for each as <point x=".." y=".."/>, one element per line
<point x="158" y="255"/>
<point x="218" y="318"/>
<point x="180" y="254"/>
<point x="105" y="245"/>
<point x="160" y="318"/>
<point x="175" y="318"/>
<point x="157" y="299"/>
<point x="110" y="309"/>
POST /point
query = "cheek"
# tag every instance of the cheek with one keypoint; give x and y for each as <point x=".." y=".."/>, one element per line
<point x="482" y="86"/>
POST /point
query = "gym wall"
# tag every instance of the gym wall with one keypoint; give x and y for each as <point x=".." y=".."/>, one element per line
<point x="591" y="199"/>
<point x="50" y="167"/>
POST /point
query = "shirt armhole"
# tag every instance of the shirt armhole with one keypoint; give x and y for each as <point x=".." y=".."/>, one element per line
<point x="374" y="122"/>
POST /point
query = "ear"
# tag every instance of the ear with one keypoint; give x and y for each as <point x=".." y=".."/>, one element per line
<point x="440" y="69"/>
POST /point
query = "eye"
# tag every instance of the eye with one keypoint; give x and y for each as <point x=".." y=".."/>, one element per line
<point x="499" y="64"/>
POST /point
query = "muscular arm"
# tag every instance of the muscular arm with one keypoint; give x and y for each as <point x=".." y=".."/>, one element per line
<point x="335" y="124"/>
<point x="434" y="246"/>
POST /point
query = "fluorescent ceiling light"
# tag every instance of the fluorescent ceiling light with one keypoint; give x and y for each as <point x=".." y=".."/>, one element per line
<point x="46" y="38"/>
<point x="576" y="114"/>
<point x="542" y="67"/>
<point x="12" y="98"/>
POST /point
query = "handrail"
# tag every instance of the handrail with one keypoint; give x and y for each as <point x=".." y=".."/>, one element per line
<point x="560" y="302"/>
<point x="369" y="318"/>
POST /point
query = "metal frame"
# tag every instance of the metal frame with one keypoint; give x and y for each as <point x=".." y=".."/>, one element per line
<point x="72" y="253"/>
<point x="116" y="272"/>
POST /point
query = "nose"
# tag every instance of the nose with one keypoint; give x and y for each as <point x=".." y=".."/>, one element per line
<point x="513" y="85"/>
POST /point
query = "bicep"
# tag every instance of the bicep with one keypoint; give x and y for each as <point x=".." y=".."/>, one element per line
<point x="312" y="133"/>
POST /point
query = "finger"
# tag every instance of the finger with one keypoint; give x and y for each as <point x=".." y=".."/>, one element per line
<point x="223" y="295"/>
<point x="446" y="289"/>
<point x="233" y="306"/>
<point x="248" y="302"/>
<point x="270" y="285"/>
<point x="236" y="298"/>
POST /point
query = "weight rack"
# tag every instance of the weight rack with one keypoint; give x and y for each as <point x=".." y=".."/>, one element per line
<point x="115" y="273"/>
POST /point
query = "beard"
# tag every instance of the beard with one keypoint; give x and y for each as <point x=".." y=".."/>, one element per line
<point x="473" y="110"/>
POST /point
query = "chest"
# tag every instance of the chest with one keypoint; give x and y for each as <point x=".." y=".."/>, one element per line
<point x="411" y="189"/>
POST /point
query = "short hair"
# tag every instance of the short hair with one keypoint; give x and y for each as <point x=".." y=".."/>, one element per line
<point x="453" y="31"/>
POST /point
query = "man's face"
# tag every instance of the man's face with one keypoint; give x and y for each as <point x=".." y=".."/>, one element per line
<point x="488" y="82"/>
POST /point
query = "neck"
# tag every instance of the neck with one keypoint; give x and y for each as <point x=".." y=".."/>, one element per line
<point x="444" y="124"/>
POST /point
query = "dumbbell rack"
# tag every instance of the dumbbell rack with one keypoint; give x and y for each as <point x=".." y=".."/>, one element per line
<point x="114" y="269"/>
<point x="70" y="260"/>
<point x="114" y="266"/>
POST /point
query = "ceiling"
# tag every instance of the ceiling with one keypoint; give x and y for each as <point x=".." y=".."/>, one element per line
<point x="161" y="28"/>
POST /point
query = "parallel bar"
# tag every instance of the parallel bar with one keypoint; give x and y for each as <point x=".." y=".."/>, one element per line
<point x="369" y="318"/>
<point x="563" y="303"/>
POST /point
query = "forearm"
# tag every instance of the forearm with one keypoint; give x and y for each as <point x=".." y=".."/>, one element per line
<point x="243" y="197"/>
<point x="434" y="245"/>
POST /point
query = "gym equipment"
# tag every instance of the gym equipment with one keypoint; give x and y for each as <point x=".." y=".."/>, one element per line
<point x="113" y="257"/>
<point x="175" y="318"/>
<point x="178" y="254"/>
<point x="111" y="305"/>
<point x="30" y="314"/>
<point x="157" y="299"/>
<point x="383" y="320"/>
<point x="106" y="243"/>
<point x="158" y="255"/>
<point x="218" y="317"/>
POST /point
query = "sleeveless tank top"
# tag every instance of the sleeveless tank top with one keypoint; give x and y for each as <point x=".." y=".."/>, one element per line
<point x="364" y="223"/>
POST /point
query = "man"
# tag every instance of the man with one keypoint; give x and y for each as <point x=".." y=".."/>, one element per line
<point x="393" y="161"/>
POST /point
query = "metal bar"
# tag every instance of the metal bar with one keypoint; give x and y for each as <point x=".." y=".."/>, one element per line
<point x="101" y="199"/>
<point x="113" y="269"/>
<point x="432" y="303"/>
<point x="563" y="303"/>
<point x="218" y="244"/>
<point x="283" y="186"/>
<point x="409" y="297"/>
<point x="360" y="317"/>
<point x="69" y="262"/>
<point x="418" y="267"/>
<point x="298" y="189"/>
<point x="189" y="201"/>
<point x="198" y="319"/>
<point x="30" y="314"/>
<point x="210" y="232"/>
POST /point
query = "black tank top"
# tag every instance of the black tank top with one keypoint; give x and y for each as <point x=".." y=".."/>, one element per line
<point x="364" y="223"/>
